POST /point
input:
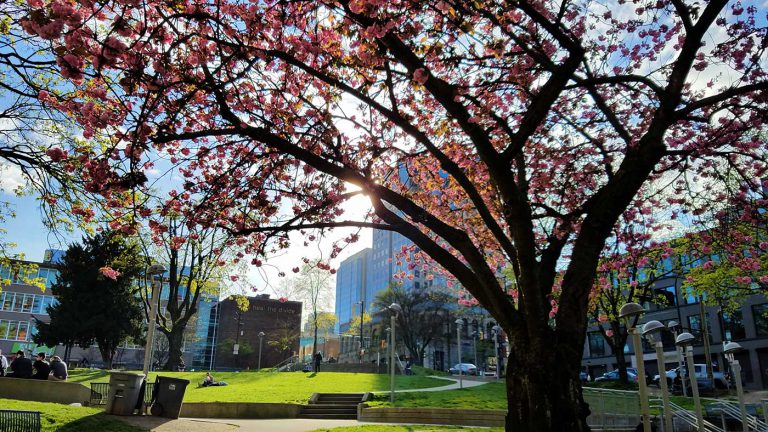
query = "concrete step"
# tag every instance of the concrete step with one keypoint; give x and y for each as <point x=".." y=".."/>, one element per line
<point x="329" y="416"/>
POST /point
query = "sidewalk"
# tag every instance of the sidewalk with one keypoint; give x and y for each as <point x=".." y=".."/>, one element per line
<point x="157" y="424"/>
<point x="468" y="382"/>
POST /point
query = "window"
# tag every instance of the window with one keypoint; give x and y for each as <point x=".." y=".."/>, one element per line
<point x="13" y="329"/>
<point x="666" y="297"/>
<point x="733" y="325"/>
<point x="694" y="324"/>
<point x="596" y="344"/>
<point x="23" y="328"/>
<point x="36" y="302"/>
<point x="760" y="316"/>
<point x="26" y="305"/>
<point x="4" y="329"/>
<point x="8" y="301"/>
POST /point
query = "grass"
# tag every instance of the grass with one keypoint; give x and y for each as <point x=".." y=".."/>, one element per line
<point x="66" y="418"/>
<point x="408" y="428"/>
<point x="488" y="396"/>
<point x="285" y="387"/>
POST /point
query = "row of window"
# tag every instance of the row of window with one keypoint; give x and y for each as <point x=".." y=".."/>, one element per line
<point x="732" y="327"/>
<point x="25" y="303"/>
<point x="47" y="274"/>
<point x="17" y="330"/>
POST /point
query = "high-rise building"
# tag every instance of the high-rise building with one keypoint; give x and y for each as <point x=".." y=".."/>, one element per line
<point x="351" y="287"/>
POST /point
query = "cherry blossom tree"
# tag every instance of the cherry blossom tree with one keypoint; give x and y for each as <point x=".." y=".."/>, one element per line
<point x="487" y="133"/>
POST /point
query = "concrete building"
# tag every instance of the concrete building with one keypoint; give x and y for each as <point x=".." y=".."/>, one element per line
<point x="237" y="341"/>
<point x="748" y="326"/>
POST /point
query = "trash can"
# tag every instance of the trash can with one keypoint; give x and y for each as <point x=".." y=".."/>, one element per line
<point x="168" y="394"/>
<point x="124" y="390"/>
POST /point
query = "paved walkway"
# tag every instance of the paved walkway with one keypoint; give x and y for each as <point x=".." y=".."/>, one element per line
<point x="467" y="382"/>
<point x="156" y="424"/>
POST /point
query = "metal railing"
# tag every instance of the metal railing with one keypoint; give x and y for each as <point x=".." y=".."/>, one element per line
<point x="731" y="410"/>
<point x="682" y="415"/>
<point x="288" y="365"/>
<point x="612" y="409"/>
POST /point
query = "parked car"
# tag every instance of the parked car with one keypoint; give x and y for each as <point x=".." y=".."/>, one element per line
<point x="466" y="369"/>
<point x="583" y="376"/>
<point x="719" y="378"/>
<point x="614" y="375"/>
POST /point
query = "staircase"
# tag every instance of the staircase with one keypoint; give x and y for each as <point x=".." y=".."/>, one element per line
<point x="332" y="406"/>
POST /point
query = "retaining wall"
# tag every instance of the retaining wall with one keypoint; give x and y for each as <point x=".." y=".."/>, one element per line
<point x="44" y="391"/>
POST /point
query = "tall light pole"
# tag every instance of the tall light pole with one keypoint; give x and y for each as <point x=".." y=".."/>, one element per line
<point x="652" y="331"/>
<point x="496" y="335"/>
<point x="685" y="341"/>
<point x="474" y="345"/>
<point x="157" y="286"/>
<point x="628" y="313"/>
<point x="459" y="325"/>
<point x="729" y="349"/>
<point x="673" y="326"/>
<point x="362" y="315"/>
<point x="395" y="309"/>
<point x="261" y="339"/>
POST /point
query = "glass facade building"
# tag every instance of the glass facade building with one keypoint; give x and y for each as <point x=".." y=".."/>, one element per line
<point x="351" y="287"/>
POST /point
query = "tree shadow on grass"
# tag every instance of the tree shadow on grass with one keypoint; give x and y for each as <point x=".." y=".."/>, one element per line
<point x="312" y="375"/>
<point x="94" y="423"/>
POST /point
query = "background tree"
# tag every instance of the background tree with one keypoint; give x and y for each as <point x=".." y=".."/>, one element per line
<point x="197" y="259"/>
<point x="423" y="316"/>
<point x="488" y="133"/>
<point x="97" y="298"/>
<point x="312" y="286"/>
<point x="628" y="273"/>
<point x="325" y="322"/>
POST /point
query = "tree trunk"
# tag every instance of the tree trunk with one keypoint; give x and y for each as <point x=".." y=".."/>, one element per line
<point x="175" y="343"/>
<point x="314" y="342"/>
<point x="107" y="354"/>
<point x="544" y="394"/>
<point x="621" y="361"/>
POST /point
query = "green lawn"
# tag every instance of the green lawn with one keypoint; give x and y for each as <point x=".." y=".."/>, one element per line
<point x="488" y="396"/>
<point x="408" y="428"/>
<point x="286" y="387"/>
<point x="65" y="418"/>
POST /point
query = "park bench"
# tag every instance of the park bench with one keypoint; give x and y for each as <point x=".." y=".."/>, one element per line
<point x="19" y="421"/>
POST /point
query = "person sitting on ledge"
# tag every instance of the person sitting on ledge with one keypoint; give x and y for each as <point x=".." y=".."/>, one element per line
<point x="21" y="366"/>
<point x="58" y="369"/>
<point x="42" y="368"/>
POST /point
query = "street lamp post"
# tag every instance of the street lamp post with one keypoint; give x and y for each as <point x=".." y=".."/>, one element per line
<point x="474" y="346"/>
<point x="459" y="325"/>
<point x="362" y="315"/>
<point x="627" y="313"/>
<point x="157" y="285"/>
<point x="496" y="335"/>
<point x="685" y="341"/>
<point x="673" y="326"/>
<point x="729" y="349"/>
<point x="396" y="310"/>
<point x="651" y="330"/>
<point x="261" y="339"/>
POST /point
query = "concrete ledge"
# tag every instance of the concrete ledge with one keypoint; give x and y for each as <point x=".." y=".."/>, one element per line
<point x="441" y="416"/>
<point x="242" y="410"/>
<point x="44" y="391"/>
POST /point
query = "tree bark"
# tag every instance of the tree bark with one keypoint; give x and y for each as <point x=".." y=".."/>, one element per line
<point x="544" y="393"/>
<point x="175" y="344"/>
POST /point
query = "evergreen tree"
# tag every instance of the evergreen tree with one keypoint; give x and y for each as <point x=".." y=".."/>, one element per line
<point x="97" y="298"/>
